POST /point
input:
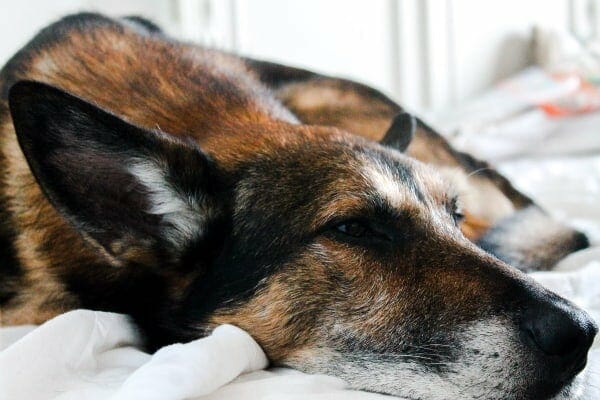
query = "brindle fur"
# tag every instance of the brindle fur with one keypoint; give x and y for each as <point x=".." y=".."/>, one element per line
<point x="265" y="196"/>
<point x="325" y="100"/>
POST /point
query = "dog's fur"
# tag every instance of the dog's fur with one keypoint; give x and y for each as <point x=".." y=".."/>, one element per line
<point x="495" y="212"/>
<point x="187" y="188"/>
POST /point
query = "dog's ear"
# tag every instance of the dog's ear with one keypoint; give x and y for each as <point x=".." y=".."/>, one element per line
<point x="121" y="186"/>
<point x="400" y="132"/>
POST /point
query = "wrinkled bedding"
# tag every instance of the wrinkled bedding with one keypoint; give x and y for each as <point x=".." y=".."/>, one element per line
<point x="95" y="355"/>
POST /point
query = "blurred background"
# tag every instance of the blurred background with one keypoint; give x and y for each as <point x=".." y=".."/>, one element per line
<point x="429" y="54"/>
<point x="494" y="68"/>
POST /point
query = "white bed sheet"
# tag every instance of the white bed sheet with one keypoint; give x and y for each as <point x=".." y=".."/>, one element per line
<point x="93" y="355"/>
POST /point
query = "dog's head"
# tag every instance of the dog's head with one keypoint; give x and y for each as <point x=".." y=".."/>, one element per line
<point x="497" y="216"/>
<point x="337" y="254"/>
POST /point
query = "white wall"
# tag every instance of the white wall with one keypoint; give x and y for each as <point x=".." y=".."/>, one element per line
<point x="492" y="39"/>
<point x="428" y="54"/>
<point x="343" y="37"/>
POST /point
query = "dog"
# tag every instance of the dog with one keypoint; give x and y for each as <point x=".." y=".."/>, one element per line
<point x="188" y="187"/>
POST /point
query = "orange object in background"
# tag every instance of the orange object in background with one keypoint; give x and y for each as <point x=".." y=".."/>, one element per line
<point x="585" y="98"/>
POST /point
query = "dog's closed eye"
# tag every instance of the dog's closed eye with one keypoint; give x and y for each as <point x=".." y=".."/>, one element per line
<point x="456" y="210"/>
<point x="353" y="228"/>
<point x="357" y="229"/>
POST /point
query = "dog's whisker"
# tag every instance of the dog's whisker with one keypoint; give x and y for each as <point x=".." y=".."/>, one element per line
<point x="478" y="171"/>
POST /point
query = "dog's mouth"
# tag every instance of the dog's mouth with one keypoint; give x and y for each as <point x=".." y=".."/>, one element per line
<point x="492" y="363"/>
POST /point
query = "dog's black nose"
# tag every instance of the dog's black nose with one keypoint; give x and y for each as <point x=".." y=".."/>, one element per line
<point x="580" y="241"/>
<point x="561" y="332"/>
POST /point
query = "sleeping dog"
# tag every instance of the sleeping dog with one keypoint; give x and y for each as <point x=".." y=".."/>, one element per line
<point x="189" y="188"/>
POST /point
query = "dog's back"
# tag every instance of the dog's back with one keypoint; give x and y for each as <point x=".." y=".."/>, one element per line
<point x="134" y="72"/>
<point x="120" y="65"/>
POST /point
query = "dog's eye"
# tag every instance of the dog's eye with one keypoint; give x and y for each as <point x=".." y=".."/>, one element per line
<point x="361" y="230"/>
<point x="458" y="216"/>
<point x="456" y="211"/>
<point x="354" y="228"/>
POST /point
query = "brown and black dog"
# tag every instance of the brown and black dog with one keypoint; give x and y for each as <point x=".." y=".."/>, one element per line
<point x="188" y="188"/>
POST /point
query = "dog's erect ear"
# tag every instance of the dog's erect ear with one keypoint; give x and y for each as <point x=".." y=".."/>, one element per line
<point x="121" y="186"/>
<point x="401" y="132"/>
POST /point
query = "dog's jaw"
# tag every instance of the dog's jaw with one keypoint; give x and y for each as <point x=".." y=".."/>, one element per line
<point x="491" y="365"/>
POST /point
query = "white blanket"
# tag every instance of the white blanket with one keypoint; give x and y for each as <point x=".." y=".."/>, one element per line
<point x="93" y="355"/>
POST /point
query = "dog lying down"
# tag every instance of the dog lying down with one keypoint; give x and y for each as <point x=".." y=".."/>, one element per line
<point x="190" y="188"/>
